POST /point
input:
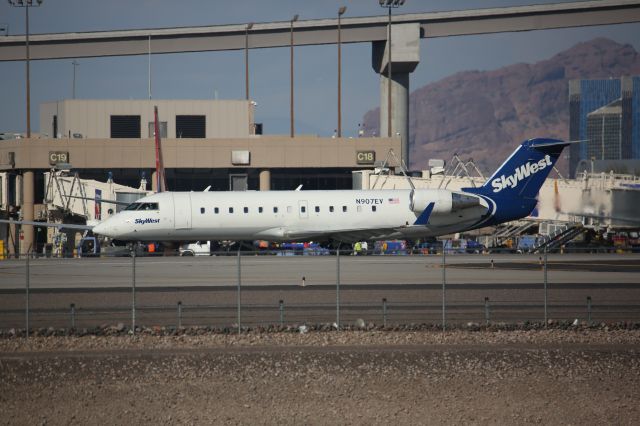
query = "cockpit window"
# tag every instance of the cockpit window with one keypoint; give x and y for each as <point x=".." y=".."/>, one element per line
<point x="142" y="206"/>
<point x="133" y="206"/>
<point x="148" y="206"/>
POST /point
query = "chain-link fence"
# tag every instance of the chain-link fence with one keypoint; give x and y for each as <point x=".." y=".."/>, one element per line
<point x="337" y="289"/>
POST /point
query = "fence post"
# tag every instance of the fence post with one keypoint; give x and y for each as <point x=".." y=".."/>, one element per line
<point x="133" y="290"/>
<point x="179" y="314"/>
<point x="239" y="302"/>
<point x="384" y="312"/>
<point x="444" y="286"/>
<point x="486" y="310"/>
<point x="589" y="310"/>
<point x="73" y="316"/>
<point x="281" y="307"/>
<point x="544" y="267"/>
<point x="338" y="287"/>
<point x="27" y="284"/>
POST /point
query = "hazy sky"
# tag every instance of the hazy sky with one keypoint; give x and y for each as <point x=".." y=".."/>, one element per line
<point x="205" y="75"/>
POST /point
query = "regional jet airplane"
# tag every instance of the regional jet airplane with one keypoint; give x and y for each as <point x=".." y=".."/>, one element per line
<point x="351" y="215"/>
<point x="346" y="216"/>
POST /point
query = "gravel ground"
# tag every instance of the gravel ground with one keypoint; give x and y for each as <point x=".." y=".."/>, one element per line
<point x="576" y="376"/>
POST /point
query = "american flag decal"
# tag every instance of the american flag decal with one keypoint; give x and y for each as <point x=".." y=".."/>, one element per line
<point x="394" y="201"/>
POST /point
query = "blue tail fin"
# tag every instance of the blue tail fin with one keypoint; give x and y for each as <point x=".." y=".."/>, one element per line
<point x="524" y="172"/>
<point x="513" y="188"/>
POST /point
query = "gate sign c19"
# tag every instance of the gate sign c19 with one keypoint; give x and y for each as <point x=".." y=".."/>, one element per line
<point x="365" y="157"/>
<point x="57" y="157"/>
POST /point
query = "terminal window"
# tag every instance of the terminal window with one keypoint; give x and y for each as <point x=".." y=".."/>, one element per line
<point x="162" y="126"/>
<point x="125" y="126"/>
<point x="190" y="126"/>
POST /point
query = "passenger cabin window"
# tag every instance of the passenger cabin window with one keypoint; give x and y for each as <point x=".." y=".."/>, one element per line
<point x="230" y="209"/>
<point x="373" y="208"/>
<point x="246" y="209"/>
<point x="201" y="210"/>
<point x="317" y="209"/>
<point x="259" y="209"/>
<point x="303" y="209"/>
<point x="331" y="209"/>
<point x="344" y="208"/>
<point x="288" y="209"/>
<point x="216" y="210"/>
<point x="275" y="210"/>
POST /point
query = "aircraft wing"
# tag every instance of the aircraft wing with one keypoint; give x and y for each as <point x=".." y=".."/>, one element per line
<point x="345" y="235"/>
<point x="49" y="224"/>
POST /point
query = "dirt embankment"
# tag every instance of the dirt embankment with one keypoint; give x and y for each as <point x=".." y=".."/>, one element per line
<point x="458" y="377"/>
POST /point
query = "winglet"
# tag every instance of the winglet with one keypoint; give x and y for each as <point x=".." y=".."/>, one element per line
<point x="424" y="216"/>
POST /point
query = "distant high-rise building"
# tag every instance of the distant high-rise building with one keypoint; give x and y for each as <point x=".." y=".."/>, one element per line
<point x="605" y="114"/>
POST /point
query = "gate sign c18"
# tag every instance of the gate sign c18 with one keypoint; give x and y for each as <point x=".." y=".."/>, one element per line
<point x="365" y="157"/>
<point x="56" y="157"/>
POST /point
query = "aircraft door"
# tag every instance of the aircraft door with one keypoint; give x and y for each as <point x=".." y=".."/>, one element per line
<point x="303" y="209"/>
<point x="182" y="210"/>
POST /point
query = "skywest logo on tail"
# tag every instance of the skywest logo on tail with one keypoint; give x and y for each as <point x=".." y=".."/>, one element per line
<point x="520" y="174"/>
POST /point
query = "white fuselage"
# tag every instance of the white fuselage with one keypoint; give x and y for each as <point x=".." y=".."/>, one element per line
<point x="291" y="215"/>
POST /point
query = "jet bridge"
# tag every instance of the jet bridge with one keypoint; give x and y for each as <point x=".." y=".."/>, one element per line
<point x="71" y="199"/>
<point x="66" y="194"/>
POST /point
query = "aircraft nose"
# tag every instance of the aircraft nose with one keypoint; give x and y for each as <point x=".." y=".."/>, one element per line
<point x="103" y="229"/>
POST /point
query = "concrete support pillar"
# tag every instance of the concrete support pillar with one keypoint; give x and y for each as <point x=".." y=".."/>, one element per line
<point x="399" y="109"/>
<point x="11" y="241"/>
<point x="28" y="189"/>
<point x="405" y="56"/>
<point x="265" y="180"/>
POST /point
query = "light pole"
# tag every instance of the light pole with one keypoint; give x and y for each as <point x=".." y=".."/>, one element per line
<point x="75" y="64"/>
<point x="389" y="4"/>
<point x="340" y="13"/>
<point x="246" y="59"/>
<point x="294" y="19"/>
<point x="28" y="181"/>
<point x="27" y="4"/>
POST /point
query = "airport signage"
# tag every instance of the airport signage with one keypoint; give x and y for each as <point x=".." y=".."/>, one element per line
<point x="56" y="157"/>
<point x="365" y="157"/>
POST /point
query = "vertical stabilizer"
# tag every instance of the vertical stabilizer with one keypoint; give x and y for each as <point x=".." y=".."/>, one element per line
<point x="524" y="172"/>
<point x="513" y="188"/>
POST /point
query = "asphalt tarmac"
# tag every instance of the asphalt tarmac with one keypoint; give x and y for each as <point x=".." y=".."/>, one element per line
<point x="207" y="287"/>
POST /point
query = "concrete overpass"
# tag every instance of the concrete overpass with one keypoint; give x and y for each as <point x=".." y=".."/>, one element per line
<point x="320" y="31"/>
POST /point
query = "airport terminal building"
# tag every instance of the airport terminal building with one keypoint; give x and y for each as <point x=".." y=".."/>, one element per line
<point x="204" y="142"/>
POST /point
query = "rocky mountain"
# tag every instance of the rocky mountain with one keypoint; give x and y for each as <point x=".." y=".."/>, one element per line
<point x="483" y="114"/>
